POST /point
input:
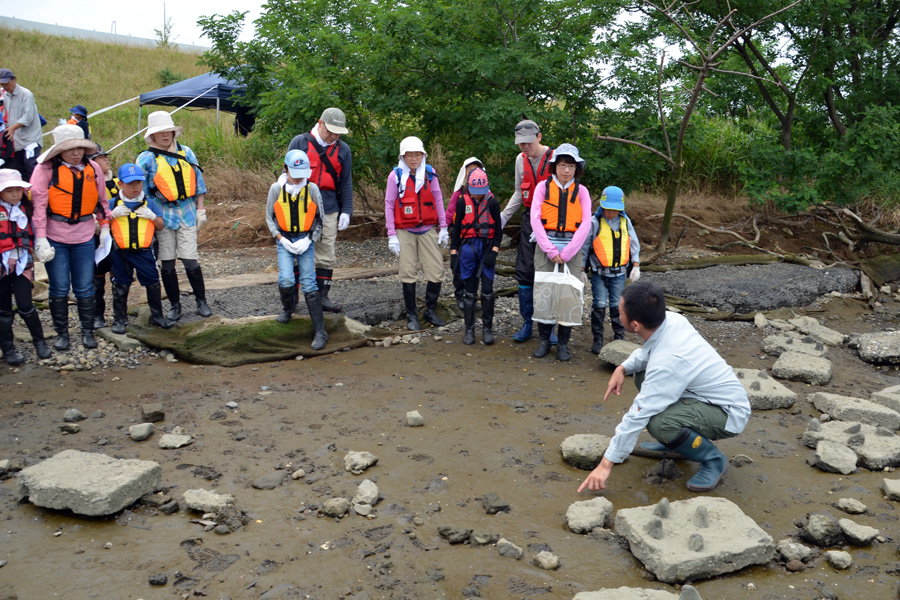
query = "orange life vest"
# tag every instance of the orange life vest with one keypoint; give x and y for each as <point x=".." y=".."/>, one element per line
<point x="132" y="232"/>
<point x="413" y="208"/>
<point x="477" y="221"/>
<point x="292" y="215"/>
<point x="73" y="195"/>
<point x="13" y="237"/>
<point x="561" y="210"/>
<point x="173" y="183"/>
<point x="530" y="179"/>
<point x="326" y="169"/>
<point x="612" y="247"/>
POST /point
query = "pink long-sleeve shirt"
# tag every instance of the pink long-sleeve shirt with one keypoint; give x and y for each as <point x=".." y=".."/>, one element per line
<point x="543" y="241"/>
<point x="59" y="231"/>
<point x="391" y="193"/>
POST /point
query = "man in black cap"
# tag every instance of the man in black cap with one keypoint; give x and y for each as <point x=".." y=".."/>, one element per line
<point x="23" y="126"/>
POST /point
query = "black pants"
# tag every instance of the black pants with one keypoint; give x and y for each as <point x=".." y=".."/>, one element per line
<point x="23" y="165"/>
<point x="487" y="284"/>
<point x="525" y="253"/>
<point x="18" y="286"/>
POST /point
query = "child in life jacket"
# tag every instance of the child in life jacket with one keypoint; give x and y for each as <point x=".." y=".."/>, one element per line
<point x="609" y="250"/>
<point x="295" y="219"/>
<point x="474" y="243"/>
<point x="135" y="220"/>
<point x="459" y="287"/>
<point x="101" y="268"/>
<point x="17" y="266"/>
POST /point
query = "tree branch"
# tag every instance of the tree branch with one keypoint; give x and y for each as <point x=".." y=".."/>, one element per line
<point x="607" y="138"/>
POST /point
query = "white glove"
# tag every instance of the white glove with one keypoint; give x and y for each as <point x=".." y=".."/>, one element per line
<point x="120" y="211"/>
<point x="503" y="221"/>
<point x="286" y="244"/>
<point x="343" y="221"/>
<point x="144" y="212"/>
<point x="394" y="245"/>
<point x="532" y="238"/>
<point x="443" y="238"/>
<point x="585" y="278"/>
<point x="43" y="250"/>
<point x="104" y="237"/>
<point x="302" y="245"/>
<point x="201" y="217"/>
<point x="635" y="273"/>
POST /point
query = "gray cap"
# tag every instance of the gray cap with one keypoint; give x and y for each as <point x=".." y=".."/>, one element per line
<point x="527" y="131"/>
<point x="6" y="75"/>
<point x="335" y="121"/>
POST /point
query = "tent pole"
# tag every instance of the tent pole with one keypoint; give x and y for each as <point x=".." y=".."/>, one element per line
<point x="217" y="113"/>
<point x="140" y="114"/>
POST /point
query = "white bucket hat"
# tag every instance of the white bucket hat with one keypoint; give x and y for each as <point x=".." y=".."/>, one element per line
<point x="160" y="121"/>
<point x="67" y="137"/>
<point x="412" y="144"/>
<point x="12" y="178"/>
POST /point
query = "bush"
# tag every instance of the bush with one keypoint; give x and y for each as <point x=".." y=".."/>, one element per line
<point x="167" y="77"/>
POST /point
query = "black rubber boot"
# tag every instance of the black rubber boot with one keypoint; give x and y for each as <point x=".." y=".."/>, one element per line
<point x="86" y="312"/>
<point x="170" y="282"/>
<point x="10" y="354"/>
<point x="432" y="293"/>
<point x="323" y="281"/>
<point x="33" y="322"/>
<point x="154" y="301"/>
<point x="314" y="306"/>
<point x="562" y="345"/>
<point x="616" y="322"/>
<point x="100" y="301"/>
<point x="195" y="277"/>
<point x="469" y="318"/>
<point x="543" y="348"/>
<point x="597" y="317"/>
<point x="59" y="313"/>
<point x="409" y="302"/>
<point x="288" y="303"/>
<point x="120" y="308"/>
<point x="487" y="319"/>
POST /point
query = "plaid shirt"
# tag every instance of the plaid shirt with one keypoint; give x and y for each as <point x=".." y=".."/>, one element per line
<point x="174" y="214"/>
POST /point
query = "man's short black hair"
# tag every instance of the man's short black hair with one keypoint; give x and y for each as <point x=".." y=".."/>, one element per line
<point x="645" y="303"/>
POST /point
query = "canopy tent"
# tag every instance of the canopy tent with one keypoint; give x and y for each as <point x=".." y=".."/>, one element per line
<point x="204" y="91"/>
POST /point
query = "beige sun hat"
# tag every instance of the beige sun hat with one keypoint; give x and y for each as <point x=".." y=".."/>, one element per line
<point x="67" y="137"/>
<point x="160" y="121"/>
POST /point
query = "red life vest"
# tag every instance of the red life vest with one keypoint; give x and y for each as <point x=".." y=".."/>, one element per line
<point x="73" y="195"/>
<point x="561" y="210"/>
<point x="530" y="179"/>
<point x="477" y="221"/>
<point x="413" y="208"/>
<point x="13" y="237"/>
<point x="326" y="169"/>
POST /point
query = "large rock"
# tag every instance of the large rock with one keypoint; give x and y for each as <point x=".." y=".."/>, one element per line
<point x="796" y="366"/>
<point x="615" y="352"/>
<point x="847" y="408"/>
<point x="764" y="392"/>
<point x="791" y="550"/>
<point x="87" y="483"/>
<point x="586" y="515"/>
<point x="779" y="343"/>
<point x="856" y="534"/>
<point x="366" y="493"/>
<point x="823" y="531"/>
<point x="694" y="539"/>
<point x="628" y="593"/>
<point x="878" y="348"/>
<point x="876" y="447"/>
<point x="357" y="462"/>
<point x="584" y="450"/>
<point x="889" y="397"/>
<point x="833" y="457"/>
<point x="812" y="327"/>
<point x="891" y="489"/>
<point x="207" y="501"/>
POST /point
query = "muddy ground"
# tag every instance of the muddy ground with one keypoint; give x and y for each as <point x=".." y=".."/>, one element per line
<point x="494" y="419"/>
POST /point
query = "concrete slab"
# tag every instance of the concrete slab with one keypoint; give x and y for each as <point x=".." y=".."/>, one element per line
<point x="811" y="326"/>
<point x="122" y="342"/>
<point x="764" y="392"/>
<point x="615" y="352"/>
<point x="779" y="343"/>
<point x="848" y="408"/>
<point x="878" y="348"/>
<point x="796" y="366"/>
<point x="889" y="397"/>
<point x="694" y="539"/>
<point x="207" y="501"/>
<point x="584" y="450"/>
<point x="629" y="593"/>
<point x="876" y="447"/>
<point x="87" y="483"/>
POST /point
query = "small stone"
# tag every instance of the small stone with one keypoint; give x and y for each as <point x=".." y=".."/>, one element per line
<point x="140" y="432"/>
<point x="546" y="560"/>
<point x="655" y="528"/>
<point x="158" y="579"/>
<point x="169" y="508"/>
<point x="509" y="550"/>
<point x="701" y="517"/>
<point x="839" y="559"/>
<point x="298" y="474"/>
<point x="73" y="415"/>
<point x="695" y="542"/>
<point x="335" y="507"/>
<point x="153" y="412"/>
<point x="70" y="427"/>
<point x="661" y="509"/>
<point x="795" y="566"/>
<point x="414" y="419"/>
<point x="231" y="404"/>
<point x="169" y="441"/>
<point x="222" y="529"/>
<point x="851" y="506"/>
<point x="108" y="546"/>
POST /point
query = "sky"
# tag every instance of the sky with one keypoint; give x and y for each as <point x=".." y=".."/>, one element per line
<point x="135" y="18"/>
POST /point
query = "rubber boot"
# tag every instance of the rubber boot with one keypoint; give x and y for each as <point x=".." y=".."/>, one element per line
<point x="469" y="318"/>
<point x="154" y="301"/>
<point x="59" y="313"/>
<point x="100" y="301"/>
<point x="314" y="306"/>
<point x="86" y="312"/>
<point x="432" y="293"/>
<point x="487" y="319"/>
<point x="170" y="282"/>
<point x="10" y="354"/>
<point x="543" y="348"/>
<point x="713" y="462"/>
<point x="562" y="346"/>
<point x="553" y="339"/>
<point x="597" y="317"/>
<point x="616" y="322"/>
<point x="33" y="322"/>
<point x="288" y="303"/>
<point x="459" y="289"/>
<point x="323" y="281"/>
<point x="120" y="308"/>
<point x="195" y="277"/>
<point x="409" y="302"/>
<point x="526" y="309"/>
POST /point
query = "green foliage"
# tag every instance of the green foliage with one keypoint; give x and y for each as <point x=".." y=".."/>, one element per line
<point x="166" y="76"/>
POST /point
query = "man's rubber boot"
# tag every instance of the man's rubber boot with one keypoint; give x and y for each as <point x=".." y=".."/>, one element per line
<point x="562" y="346"/>
<point x="432" y="293"/>
<point x="409" y="302"/>
<point x="597" y="316"/>
<point x="616" y="322"/>
<point x="33" y="322"/>
<point x="288" y="303"/>
<point x="86" y="312"/>
<point x="323" y="281"/>
<point x="59" y="313"/>
<point x="170" y="283"/>
<point x="154" y="301"/>
<point x="100" y="301"/>
<point x="10" y="354"/>
<point x="543" y="348"/>
<point x="487" y="319"/>
<point x="314" y="306"/>
<point x="469" y="318"/>
<point x="526" y="309"/>
<point x="713" y="462"/>
<point x="195" y="277"/>
<point x="120" y="307"/>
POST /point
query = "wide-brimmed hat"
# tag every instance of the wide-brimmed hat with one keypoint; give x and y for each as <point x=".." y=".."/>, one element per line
<point x="411" y="144"/>
<point x="160" y="121"/>
<point x="79" y="109"/>
<point x="567" y="150"/>
<point x="12" y="178"/>
<point x="67" y="137"/>
<point x="613" y="198"/>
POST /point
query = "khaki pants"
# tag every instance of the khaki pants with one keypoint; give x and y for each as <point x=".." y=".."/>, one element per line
<point x="178" y="243"/>
<point x="421" y="249"/>
<point x="325" y="245"/>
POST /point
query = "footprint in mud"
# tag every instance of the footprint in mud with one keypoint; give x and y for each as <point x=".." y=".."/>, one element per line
<point x="207" y="558"/>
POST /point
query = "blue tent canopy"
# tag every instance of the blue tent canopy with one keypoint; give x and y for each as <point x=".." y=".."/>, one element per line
<point x="223" y="94"/>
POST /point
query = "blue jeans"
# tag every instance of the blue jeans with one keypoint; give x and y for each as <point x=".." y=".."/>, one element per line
<point x="76" y="260"/>
<point x="306" y="262"/>
<point x="607" y="290"/>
